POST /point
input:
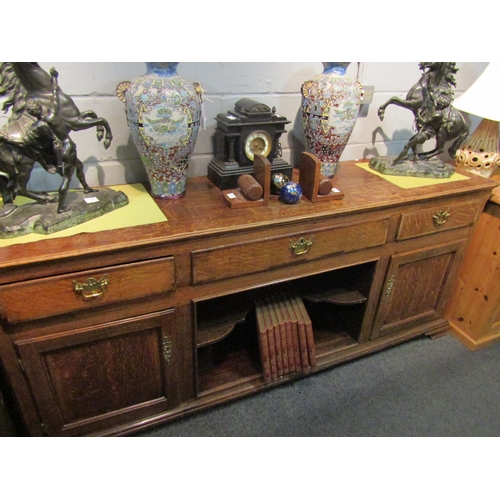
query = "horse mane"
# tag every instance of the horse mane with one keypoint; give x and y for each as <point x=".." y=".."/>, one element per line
<point x="451" y="70"/>
<point x="448" y="69"/>
<point x="12" y="88"/>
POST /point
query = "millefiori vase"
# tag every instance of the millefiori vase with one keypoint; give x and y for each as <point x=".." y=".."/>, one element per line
<point x="330" y="106"/>
<point x="163" y="112"/>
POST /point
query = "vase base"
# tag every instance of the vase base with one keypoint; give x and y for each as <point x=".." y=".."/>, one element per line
<point x="172" y="189"/>
<point x="329" y="169"/>
<point x="168" y="196"/>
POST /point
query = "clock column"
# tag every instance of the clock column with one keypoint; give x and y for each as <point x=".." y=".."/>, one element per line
<point x="230" y="155"/>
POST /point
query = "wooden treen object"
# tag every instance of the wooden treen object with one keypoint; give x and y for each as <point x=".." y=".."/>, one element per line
<point x="315" y="186"/>
<point x="244" y="195"/>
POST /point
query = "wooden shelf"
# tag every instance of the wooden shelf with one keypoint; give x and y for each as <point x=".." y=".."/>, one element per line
<point x="329" y="341"/>
<point x="339" y="296"/>
<point x="231" y="360"/>
<point x="227" y="337"/>
<point x="219" y="320"/>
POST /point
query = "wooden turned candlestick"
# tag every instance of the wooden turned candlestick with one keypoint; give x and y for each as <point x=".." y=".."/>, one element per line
<point x="250" y="187"/>
<point x="253" y="190"/>
<point x="325" y="185"/>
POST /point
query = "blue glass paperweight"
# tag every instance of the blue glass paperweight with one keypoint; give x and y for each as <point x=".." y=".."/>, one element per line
<point x="291" y="193"/>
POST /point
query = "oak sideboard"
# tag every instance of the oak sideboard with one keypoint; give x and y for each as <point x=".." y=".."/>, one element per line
<point x="171" y="328"/>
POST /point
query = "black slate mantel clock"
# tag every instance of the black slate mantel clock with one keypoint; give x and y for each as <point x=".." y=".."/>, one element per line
<point x="252" y="127"/>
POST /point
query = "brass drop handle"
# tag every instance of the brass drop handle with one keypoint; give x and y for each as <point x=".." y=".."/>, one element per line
<point x="92" y="288"/>
<point x="301" y="246"/>
<point x="441" y="217"/>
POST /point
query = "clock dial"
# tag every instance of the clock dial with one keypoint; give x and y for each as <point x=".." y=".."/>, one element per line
<point x="258" y="142"/>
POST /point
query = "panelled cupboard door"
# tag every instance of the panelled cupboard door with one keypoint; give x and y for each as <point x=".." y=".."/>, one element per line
<point x="93" y="378"/>
<point x="415" y="289"/>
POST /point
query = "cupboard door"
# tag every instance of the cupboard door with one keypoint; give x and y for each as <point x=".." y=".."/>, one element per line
<point x="416" y="288"/>
<point x="95" y="378"/>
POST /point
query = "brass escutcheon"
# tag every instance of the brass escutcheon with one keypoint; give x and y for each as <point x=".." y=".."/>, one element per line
<point x="390" y="284"/>
<point x="92" y="288"/>
<point x="441" y="217"/>
<point x="167" y="350"/>
<point x="301" y="246"/>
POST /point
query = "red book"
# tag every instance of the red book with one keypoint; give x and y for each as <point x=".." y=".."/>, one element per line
<point x="263" y="341"/>
<point x="311" y="347"/>
<point x="277" y="337"/>
<point x="289" y="333"/>
<point x="271" y="342"/>
<point x="283" y="335"/>
<point x="295" y="333"/>
<point x="304" y="356"/>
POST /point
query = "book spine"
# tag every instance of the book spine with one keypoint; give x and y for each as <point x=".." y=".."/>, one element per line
<point x="311" y="347"/>
<point x="263" y="342"/>
<point x="271" y="342"/>
<point x="281" y="324"/>
<point x="289" y="334"/>
<point x="295" y="333"/>
<point x="277" y="338"/>
<point x="304" y="356"/>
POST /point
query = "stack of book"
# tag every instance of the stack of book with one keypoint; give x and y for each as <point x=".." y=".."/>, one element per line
<point x="286" y="340"/>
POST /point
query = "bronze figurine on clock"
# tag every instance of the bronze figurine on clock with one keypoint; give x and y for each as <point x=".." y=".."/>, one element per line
<point x="252" y="128"/>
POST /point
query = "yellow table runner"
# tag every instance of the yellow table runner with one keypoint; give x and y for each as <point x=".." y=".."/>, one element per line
<point x="412" y="182"/>
<point x="140" y="210"/>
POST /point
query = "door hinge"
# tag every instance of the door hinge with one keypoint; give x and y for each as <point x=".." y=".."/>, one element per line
<point x="21" y="364"/>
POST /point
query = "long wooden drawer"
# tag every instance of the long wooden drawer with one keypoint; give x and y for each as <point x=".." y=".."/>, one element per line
<point x="41" y="298"/>
<point x="274" y="252"/>
<point x="438" y="218"/>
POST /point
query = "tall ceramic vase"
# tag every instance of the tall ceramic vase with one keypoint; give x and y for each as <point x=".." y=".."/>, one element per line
<point x="330" y="105"/>
<point x="163" y="112"/>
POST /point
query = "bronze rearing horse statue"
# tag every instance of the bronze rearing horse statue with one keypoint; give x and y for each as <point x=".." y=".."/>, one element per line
<point x="38" y="130"/>
<point x="430" y="101"/>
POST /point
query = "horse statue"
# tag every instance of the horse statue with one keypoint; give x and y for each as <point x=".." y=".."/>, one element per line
<point x="430" y="100"/>
<point x="38" y="130"/>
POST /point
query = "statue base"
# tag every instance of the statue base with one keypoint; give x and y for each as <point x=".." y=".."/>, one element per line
<point x="433" y="168"/>
<point x="38" y="218"/>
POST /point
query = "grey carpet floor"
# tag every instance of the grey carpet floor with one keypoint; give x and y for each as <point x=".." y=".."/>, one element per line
<point x="421" y="388"/>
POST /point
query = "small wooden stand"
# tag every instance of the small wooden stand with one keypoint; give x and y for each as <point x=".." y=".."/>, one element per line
<point x="237" y="198"/>
<point x="313" y="182"/>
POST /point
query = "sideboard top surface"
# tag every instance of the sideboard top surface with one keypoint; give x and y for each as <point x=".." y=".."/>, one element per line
<point x="202" y="212"/>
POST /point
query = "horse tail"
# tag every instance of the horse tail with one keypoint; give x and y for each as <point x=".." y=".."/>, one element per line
<point x="7" y="188"/>
<point x="12" y="88"/>
<point x="457" y="142"/>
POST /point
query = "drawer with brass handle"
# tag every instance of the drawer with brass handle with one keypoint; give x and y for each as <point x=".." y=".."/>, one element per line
<point x="438" y="218"/>
<point x="92" y="287"/>
<point x="301" y="246"/>
<point x="46" y="297"/>
<point x="270" y="253"/>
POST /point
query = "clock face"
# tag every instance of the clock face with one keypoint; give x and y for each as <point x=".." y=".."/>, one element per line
<point x="258" y="142"/>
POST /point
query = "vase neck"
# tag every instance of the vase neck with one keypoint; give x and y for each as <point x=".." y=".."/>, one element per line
<point x="335" y="68"/>
<point x="162" y="68"/>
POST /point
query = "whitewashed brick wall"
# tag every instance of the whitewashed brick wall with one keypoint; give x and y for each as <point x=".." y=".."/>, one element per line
<point x="92" y="86"/>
